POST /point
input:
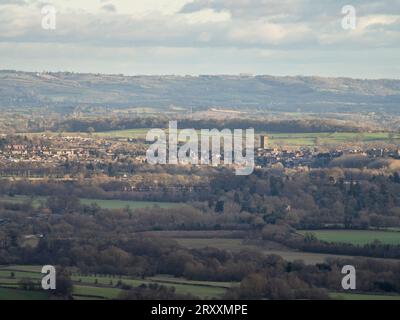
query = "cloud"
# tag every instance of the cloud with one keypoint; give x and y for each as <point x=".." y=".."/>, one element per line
<point x="290" y="9"/>
<point x="213" y="23"/>
<point x="109" y="7"/>
<point x="256" y="26"/>
<point x="13" y="2"/>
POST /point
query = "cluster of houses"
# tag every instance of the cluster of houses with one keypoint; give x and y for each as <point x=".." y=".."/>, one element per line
<point x="40" y="153"/>
<point x="267" y="156"/>
<point x="59" y="149"/>
<point x="55" y="149"/>
<point x="303" y="157"/>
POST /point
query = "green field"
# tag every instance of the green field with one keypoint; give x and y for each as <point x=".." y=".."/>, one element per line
<point x="356" y="237"/>
<point x="105" y="204"/>
<point x="356" y="296"/>
<point x="337" y="138"/>
<point x="86" y="289"/>
<point x="25" y="268"/>
<point x="298" y="139"/>
<point x="104" y="286"/>
<point x="15" y="294"/>
<point x="200" y="289"/>
<point x="276" y="139"/>
<point x="19" y="274"/>
<point x="96" y="292"/>
<point x="130" y="133"/>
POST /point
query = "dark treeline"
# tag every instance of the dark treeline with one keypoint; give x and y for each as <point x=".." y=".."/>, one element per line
<point x="295" y="280"/>
<point x="278" y="126"/>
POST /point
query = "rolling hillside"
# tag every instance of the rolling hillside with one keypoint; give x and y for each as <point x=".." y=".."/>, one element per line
<point x="307" y="94"/>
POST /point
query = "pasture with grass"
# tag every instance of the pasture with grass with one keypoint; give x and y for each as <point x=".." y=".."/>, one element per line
<point x="355" y="237"/>
<point x="336" y="138"/>
<point x="276" y="139"/>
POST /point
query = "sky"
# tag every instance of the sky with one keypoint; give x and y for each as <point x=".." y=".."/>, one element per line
<point x="276" y="37"/>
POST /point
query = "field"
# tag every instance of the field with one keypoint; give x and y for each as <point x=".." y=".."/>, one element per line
<point x="337" y="138"/>
<point x="356" y="237"/>
<point x="291" y="139"/>
<point x="96" y="292"/>
<point x="356" y="296"/>
<point x="275" y="139"/>
<point x="237" y="245"/>
<point x="202" y="289"/>
<point x="102" y="286"/>
<point x="14" y="294"/>
<point x="220" y="243"/>
<point x="105" y="204"/>
<point x="130" y="133"/>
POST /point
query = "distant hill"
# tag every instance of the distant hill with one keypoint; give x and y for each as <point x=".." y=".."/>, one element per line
<point x="269" y="93"/>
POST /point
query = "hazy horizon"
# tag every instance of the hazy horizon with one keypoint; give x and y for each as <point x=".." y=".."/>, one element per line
<point x="244" y="74"/>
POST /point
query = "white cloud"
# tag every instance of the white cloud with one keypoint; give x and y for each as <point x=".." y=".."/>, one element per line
<point x="207" y="16"/>
<point x="257" y="27"/>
